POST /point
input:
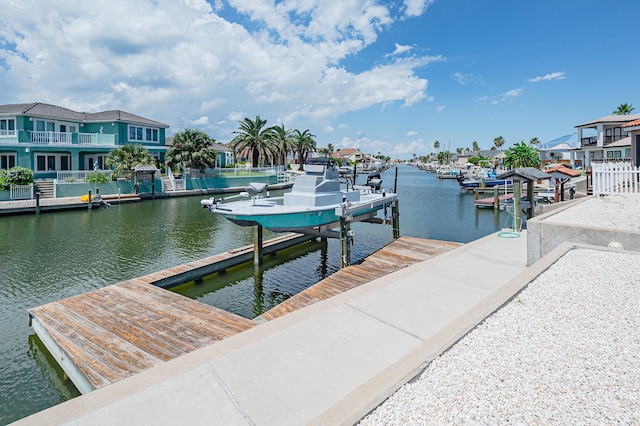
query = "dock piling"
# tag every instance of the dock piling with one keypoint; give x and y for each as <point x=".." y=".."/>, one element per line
<point x="89" y="201"/>
<point x="37" y="202"/>
<point x="257" y="245"/>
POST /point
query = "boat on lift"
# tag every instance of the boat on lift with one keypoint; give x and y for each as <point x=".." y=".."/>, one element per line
<point x="315" y="203"/>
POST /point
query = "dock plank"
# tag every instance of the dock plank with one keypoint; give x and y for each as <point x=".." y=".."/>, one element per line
<point x="398" y="254"/>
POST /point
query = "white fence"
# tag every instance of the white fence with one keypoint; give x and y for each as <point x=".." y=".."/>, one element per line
<point x="70" y="176"/>
<point x="615" y="178"/>
<point x="22" y="192"/>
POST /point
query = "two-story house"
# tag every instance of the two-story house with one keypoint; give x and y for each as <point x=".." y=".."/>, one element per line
<point x="47" y="138"/>
<point x="606" y="138"/>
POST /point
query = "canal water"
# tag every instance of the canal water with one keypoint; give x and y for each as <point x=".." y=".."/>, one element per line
<point x="56" y="255"/>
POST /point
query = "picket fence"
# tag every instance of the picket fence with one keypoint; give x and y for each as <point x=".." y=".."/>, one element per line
<point x="615" y="178"/>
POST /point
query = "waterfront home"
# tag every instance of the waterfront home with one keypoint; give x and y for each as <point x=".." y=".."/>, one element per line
<point x="48" y="138"/>
<point x="225" y="157"/>
<point x="633" y="128"/>
<point x="559" y="149"/>
<point x="605" y="138"/>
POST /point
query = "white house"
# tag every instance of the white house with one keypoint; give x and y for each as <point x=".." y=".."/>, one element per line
<point x="606" y="138"/>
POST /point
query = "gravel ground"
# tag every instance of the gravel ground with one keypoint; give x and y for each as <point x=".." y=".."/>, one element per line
<point x="612" y="211"/>
<point x="564" y="351"/>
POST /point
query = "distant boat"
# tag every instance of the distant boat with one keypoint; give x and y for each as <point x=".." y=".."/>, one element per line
<point x="448" y="173"/>
<point x="316" y="200"/>
<point x="470" y="183"/>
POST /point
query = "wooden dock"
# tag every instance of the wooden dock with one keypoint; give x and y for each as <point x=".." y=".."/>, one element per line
<point x="106" y="335"/>
<point x="398" y="254"/>
<point x="111" y="333"/>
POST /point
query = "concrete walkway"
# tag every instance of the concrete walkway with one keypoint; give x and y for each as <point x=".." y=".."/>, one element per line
<point x="329" y="363"/>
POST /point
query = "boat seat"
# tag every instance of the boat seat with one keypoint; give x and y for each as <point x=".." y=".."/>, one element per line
<point x="255" y="188"/>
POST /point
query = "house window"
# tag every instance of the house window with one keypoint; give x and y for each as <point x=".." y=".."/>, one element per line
<point x="52" y="162"/>
<point x="45" y="126"/>
<point x="99" y="159"/>
<point x="614" y="154"/>
<point x="143" y="134"/>
<point x="7" y="161"/>
<point x="7" y="127"/>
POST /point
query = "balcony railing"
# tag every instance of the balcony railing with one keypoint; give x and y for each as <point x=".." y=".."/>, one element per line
<point x="8" y="134"/>
<point x="96" y="139"/>
<point x="67" y="138"/>
<point x="51" y="138"/>
<point x="614" y="138"/>
<point x="590" y="141"/>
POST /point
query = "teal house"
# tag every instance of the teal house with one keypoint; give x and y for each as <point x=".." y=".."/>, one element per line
<point x="48" y="138"/>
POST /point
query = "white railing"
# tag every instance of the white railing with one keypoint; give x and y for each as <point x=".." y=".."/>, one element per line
<point x="171" y="178"/>
<point x="239" y="170"/>
<point x="22" y="192"/>
<point x="51" y="138"/>
<point x="8" y="133"/>
<point x="70" y="176"/>
<point x="96" y="139"/>
<point x="615" y="178"/>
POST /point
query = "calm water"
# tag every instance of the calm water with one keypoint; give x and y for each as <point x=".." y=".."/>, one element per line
<point x="56" y="255"/>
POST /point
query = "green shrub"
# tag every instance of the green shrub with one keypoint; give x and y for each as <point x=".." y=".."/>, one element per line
<point x="15" y="176"/>
<point x="97" y="177"/>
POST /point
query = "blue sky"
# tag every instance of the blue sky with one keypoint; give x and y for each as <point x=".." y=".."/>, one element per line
<point x="383" y="76"/>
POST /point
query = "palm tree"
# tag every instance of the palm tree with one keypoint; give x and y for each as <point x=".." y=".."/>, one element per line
<point x="498" y="142"/>
<point x="282" y="140"/>
<point x="534" y="141"/>
<point x="254" y="140"/>
<point x="436" y="145"/>
<point x="475" y="146"/>
<point x="521" y="155"/>
<point x="125" y="158"/>
<point x="624" y="109"/>
<point x="305" y="143"/>
<point x="191" y="148"/>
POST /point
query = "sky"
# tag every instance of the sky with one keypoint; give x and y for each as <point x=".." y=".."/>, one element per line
<point x="389" y="77"/>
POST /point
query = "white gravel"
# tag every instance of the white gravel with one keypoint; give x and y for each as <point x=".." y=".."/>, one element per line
<point x="611" y="211"/>
<point x="564" y="351"/>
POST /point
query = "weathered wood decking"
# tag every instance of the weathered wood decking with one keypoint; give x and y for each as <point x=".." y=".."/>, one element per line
<point x="111" y="333"/>
<point x="398" y="254"/>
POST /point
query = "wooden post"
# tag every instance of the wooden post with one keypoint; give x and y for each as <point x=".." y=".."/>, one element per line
<point x="517" y="209"/>
<point x="345" y="247"/>
<point x="89" y="201"/>
<point x="37" y="202"/>
<point x="395" y="219"/>
<point x="257" y="245"/>
<point x="496" y="198"/>
<point x="532" y="207"/>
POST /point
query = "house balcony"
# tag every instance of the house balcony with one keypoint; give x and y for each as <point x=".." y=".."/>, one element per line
<point x="590" y="141"/>
<point x="68" y="138"/>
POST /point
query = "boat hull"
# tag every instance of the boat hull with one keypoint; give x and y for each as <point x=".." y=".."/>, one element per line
<point x="282" y="221"/>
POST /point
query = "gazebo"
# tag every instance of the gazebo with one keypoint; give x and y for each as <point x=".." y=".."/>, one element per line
<point x="144" y="172"/>
<point x="528" y="175"/>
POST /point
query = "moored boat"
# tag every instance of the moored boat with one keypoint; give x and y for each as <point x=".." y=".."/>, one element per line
<point x="315" y="200"/>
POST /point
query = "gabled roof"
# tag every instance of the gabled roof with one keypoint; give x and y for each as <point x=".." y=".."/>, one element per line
<point x="563" y="170"/>
<point x="345" y="152"/>
<point x="38" y="109"/>
<point x="632" y="123"/>
<point x="562" y="142"/>
<point x="611" y="119"/>
<point x="524" y="173"/>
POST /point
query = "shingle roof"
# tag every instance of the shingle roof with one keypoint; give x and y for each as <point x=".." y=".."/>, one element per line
<point x="613" y="118"/>
<point x="38" y="109"/>
<point x="526" y="173"/>
<point x="564" y="170"/>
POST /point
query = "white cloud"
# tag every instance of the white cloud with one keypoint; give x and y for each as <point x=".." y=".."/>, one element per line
<point x="416" y="7"/>
<point x="412" y="133"/>
<point x="546" y="77"/>
<point x="465" y="78"/>
<point x="328" y="129"/>
<point x="179" y="61"/>
<point x="440" y="108"/>
<point x="417" y="147"/>
<point x="400" y="49"/>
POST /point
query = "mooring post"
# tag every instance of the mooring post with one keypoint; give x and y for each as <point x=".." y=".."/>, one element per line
<point x="89" y="201"/>
<point x="395" y="219"/>
<point x="345" y="247"/>
<point x="37" y="202"/>
<point x="257" y="245"/>
<point x="530" y="195"/>
<point x="517" y="212"/>
<point x="496" y="198"/>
